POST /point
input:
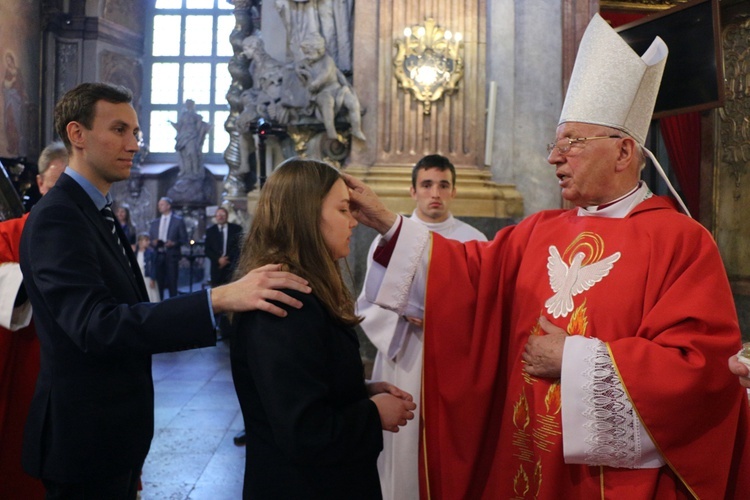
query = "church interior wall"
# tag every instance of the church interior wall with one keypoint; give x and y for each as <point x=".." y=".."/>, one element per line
<point x="524" y="59"/>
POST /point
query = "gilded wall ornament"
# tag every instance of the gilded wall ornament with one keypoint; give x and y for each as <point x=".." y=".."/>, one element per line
<point x="428" y="62"/>
<point x="640" y="5"/>
<point x="735" y="115"/>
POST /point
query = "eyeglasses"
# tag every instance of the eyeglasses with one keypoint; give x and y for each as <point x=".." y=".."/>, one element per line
<point x="564" y="145"/>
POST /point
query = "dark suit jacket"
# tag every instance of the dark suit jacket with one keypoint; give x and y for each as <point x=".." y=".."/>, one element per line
<point x="214" y="251"/>
<point x="312" y="431"/>
<point x="175" y="232"/>
<point x="93" y="409"/>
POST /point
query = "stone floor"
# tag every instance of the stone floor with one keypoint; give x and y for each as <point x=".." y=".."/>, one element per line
<point x="197" y="414"/>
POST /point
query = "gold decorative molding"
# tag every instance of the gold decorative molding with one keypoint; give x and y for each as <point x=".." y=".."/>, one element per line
<point x="314" y="143"/>
<point x="398" y="132"/>
<point x="640" y="5"/>
<point x="735" y="115"/>
<point x="730" y="174"/>
<point x="428" y="62"/>
<point x="478" y="195"/>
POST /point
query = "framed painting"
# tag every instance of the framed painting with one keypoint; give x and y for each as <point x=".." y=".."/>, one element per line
<point x="19" y="70"/>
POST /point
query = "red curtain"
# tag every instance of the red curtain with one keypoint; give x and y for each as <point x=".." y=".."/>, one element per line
<point x="682" y="137"/>
<point x="617" y="18"/>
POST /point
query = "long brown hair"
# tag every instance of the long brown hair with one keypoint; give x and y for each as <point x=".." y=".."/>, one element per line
<point x="286" y="230"/>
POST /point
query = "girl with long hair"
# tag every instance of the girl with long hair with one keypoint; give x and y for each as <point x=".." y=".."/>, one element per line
<point x="313" y="424"/>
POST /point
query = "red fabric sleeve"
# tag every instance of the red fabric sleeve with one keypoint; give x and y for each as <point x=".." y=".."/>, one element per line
<point x="383" y="254"/>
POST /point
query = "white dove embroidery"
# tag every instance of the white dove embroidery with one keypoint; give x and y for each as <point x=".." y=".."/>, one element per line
<point x="567" y="282"/>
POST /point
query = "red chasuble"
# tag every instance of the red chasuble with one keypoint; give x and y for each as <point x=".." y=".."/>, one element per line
<point x="19" y="367"/>
<point x="666" y="313"/>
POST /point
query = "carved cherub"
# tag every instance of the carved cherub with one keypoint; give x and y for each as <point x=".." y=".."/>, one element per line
<point x="328" y="86"/>
<point x="264" y="98"/>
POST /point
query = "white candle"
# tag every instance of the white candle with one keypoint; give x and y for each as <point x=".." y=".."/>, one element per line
<point x="489" y="138"/>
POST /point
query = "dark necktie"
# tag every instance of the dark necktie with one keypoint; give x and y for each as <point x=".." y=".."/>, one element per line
<point x="109" y="216"/>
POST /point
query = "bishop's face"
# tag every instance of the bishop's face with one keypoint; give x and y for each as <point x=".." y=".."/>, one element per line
<point x="586" y="173"/>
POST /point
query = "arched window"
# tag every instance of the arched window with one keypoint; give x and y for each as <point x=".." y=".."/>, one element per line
<point x="186" y="55"/>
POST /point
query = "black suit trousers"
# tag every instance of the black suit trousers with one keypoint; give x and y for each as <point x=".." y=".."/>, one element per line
<point x="121" y="487"/>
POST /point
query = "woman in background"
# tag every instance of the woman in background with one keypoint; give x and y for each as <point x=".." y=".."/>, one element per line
<point x="146" y="257"/>
<point x="314" y="425"/>
<point x="123" y="217"/>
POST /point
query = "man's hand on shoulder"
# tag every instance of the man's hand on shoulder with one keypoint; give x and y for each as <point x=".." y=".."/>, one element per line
<point x="256" y="289"/>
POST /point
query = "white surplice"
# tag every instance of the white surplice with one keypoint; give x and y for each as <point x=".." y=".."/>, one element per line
<point x="399" y="361"/>
<point x="11" y="317"/>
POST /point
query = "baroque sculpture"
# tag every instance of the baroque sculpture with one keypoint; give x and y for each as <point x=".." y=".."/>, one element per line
<point x="328" y="87"/>
<point x="332" y="19"/>
<point x="193" y="185"/>
<point x="310" y="88"/>
<point x="191" y="133"/>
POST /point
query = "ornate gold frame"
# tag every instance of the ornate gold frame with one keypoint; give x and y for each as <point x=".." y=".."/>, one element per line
<point x="428" y="62"/>
<point x="640" y="5"/>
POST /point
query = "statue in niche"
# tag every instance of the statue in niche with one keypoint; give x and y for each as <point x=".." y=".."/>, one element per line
<point x="332" y="19"/>
<point x="191" y="133"/>
<point x="336" y="27"/>
<point x="328" y="87"/>
<point x="300" y="18"/>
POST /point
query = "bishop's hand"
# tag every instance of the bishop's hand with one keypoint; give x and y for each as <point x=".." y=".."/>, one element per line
<point x="366" y="207"/>
<point x="543" y="353"/>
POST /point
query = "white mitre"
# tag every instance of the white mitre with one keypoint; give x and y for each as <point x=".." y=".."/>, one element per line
<point x="611" y="85"/>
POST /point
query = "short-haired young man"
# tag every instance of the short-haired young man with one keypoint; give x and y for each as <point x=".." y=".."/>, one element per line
<point x="399" y="338"/>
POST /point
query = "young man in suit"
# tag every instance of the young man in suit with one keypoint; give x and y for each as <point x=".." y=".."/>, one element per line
<point x="91" y="419"/>
<point x="168" y="234"/>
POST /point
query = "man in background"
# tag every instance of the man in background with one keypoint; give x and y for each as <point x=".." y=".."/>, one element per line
<point x="223" y="247"/>
<point x="168" y="234"/>
<point x="398" y="338"/>
<point x="19" y="345"/>
<point x="223" y="241"/>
